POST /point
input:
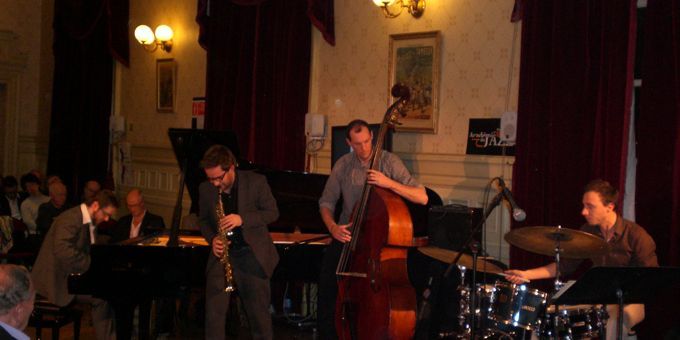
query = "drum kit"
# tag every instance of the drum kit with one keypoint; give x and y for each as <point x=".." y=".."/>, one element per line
<point x="505" y="310"/>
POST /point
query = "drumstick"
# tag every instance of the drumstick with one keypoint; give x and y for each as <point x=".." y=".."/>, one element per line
<point x="520" y="278"/>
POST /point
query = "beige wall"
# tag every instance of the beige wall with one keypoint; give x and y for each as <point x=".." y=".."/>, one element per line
<point x="478" y="78"/>
<point x="153" y="166"/>
<point x="30" y="21"/>
<point x="479" y="61"/>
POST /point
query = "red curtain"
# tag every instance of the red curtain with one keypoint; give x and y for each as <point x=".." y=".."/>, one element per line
<point x="258" y="74"/>
<point x="87" y="36"/>
<point x="574" y="105"/>
<point x="658" y="151"/>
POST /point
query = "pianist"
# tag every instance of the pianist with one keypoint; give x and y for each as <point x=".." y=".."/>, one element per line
<point x="248" y="207"/>
<point x="66" y="250"/>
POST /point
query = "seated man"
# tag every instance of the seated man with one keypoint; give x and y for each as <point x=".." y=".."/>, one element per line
<point x="29" y="208"/>
<point x="66" y="250"/>
<point x="90" y="189"/>
<point x="56" y="205"/>
<point x="11" y="198"/>
<point x="16" y="301"/>
<point x="629" y="246"/>
<point x="139" y="222"/>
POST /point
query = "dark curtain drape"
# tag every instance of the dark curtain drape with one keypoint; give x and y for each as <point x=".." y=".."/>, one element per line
<point x="86" y="36"/>
<point x="574" y="106"/>
<point x="258" y="74"/>
<point x="658" y="151"/>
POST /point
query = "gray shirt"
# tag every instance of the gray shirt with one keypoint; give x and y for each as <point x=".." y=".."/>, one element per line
<point x="348" y="177"/>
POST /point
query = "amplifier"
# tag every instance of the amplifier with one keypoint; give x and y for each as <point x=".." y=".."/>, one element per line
<point x="449" y="226"/>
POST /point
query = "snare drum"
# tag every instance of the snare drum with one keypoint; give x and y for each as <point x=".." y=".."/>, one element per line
<point x="516" y="305"/>
<point x="574" y="322"/>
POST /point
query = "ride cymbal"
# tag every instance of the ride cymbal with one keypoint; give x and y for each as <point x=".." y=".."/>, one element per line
<point x="574" y="244"/>
<point x="448" y="256"/>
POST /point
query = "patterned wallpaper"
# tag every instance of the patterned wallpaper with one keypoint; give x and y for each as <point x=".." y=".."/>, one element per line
<point x="350" y="79"/>
<point x="137" y="84"/>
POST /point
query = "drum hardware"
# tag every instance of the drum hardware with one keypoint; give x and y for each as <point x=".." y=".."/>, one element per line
<point x="558" y="242"/>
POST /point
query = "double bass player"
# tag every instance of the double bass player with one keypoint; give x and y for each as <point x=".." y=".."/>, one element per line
<point x="348" y="177"/>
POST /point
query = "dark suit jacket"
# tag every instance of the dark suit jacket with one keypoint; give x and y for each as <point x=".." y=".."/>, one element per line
<point x="65" y="250"/>
<point x="4" y="203"/>
<point x="150" y="224"/>
<point x="257" y="208"/>
<point x="4" y="335"/>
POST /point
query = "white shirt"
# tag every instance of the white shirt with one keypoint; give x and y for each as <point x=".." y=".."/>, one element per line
<point x="134" y="229"/>
<point x="15" y="333"/>
<point x="88" y="219"/>
<point x="29" y="210"/>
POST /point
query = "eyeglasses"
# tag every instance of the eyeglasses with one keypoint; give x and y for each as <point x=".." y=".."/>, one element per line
<point x="218" y="178"/>
<point x="106" y="213"/>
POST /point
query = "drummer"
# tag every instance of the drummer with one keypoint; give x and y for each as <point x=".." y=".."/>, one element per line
<point x="629" y="246"/>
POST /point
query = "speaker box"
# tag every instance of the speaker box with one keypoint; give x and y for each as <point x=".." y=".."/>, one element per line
<point x="449" y="226"/>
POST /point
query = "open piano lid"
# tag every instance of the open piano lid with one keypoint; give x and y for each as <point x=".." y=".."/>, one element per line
<point x="296" y="193"/>
<point x="189" y="146"/>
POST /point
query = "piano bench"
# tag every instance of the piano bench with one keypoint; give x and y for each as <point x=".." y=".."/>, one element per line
<point x="48" y="315"/>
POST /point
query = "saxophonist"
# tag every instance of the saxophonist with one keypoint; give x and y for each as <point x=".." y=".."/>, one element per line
<point x="248" y="207"/>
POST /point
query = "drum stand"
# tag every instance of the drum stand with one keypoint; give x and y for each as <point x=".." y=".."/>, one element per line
<point x="558" y="284"/>
<point x="473" y="245"/>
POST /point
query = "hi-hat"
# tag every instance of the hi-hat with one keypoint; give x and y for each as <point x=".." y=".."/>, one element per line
<point x="448" y="256"/>
<point x="574" y="244"/>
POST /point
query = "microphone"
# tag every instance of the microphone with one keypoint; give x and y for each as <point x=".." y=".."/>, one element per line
<point x="401" y="91"/>
<point x="517" y="213"/>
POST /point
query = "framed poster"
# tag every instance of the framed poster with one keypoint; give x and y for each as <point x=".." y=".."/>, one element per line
<point x="165" y="85"/>
<point x="414" y="62"/>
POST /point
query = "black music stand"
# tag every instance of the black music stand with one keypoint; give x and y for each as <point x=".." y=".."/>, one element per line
<point x="616" y="285"/>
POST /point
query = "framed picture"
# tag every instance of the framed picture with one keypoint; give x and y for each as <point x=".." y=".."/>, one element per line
<point x="414" y="62"/>
<point x="165" y="85"/>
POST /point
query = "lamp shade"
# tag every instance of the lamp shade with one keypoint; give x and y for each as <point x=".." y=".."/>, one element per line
<point x="164" y="33"/>
<point x="381" y="3"/>
<point x="144" y="35"/>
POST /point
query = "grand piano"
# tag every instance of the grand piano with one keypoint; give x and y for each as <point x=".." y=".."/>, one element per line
<point x="166" y="264"/>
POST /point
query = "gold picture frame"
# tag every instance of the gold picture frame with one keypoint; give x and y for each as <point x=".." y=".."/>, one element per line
<point x="414" y="61"/>
<point x="166" y="76"/>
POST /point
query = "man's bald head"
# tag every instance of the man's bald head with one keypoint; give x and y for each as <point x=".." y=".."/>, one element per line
<point x="135" y="202"/>
<point x="58" y="194"/>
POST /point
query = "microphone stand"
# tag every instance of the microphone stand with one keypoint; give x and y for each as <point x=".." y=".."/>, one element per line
<point x="469" y="244"/>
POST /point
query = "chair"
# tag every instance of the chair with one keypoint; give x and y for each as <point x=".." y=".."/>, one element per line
<point x="48" y="315"/>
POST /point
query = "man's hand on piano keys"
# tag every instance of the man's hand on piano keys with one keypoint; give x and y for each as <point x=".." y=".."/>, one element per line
<point x="341" y="232"/>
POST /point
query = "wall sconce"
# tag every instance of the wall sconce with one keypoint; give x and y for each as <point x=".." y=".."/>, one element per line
<point x="415" y="7"/>
<point x="151" y="41"/>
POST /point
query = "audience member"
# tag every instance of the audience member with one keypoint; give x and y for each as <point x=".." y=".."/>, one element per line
<point x="90" y="189"/>
<point x="66" y="250"/>
<point x="56" y="205"/>
<point x="11" y="199"/>
<point x="140" y="222"/>
<point x="17" y="295"/>
<point x="29" y="208"/>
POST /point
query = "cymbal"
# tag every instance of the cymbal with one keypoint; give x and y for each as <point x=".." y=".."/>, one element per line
<point x="448" y="256"/>
<point x="574" y="244"/>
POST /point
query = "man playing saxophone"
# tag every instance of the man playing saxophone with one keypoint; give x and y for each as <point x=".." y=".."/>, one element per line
<point x="245" y="205"/>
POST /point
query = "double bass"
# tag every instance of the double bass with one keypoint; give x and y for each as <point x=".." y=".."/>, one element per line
<point x="375" y="298"/>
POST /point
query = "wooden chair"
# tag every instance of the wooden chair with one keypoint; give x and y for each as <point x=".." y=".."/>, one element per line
<point x="48" y="315"/>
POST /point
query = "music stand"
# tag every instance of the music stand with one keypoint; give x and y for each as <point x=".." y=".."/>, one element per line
<point x="616" y="285"/>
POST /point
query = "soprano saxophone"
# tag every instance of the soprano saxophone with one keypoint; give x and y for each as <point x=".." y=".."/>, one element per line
<point x="223" y="235"/>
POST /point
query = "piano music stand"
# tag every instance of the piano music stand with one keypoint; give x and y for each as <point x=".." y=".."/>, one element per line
<point x="616" y="285"/>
